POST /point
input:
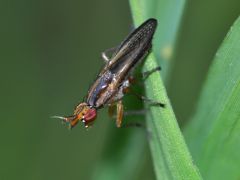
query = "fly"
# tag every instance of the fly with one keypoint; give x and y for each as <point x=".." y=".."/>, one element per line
<point x="113" y="80"/>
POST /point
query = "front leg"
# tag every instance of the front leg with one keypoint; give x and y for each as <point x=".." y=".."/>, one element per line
<point x="105" y="56"/>
<point x="119" y="113"/>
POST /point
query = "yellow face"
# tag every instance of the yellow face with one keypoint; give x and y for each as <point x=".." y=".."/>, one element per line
<point x="78" y="114"/>
<point x="81" y="110"/>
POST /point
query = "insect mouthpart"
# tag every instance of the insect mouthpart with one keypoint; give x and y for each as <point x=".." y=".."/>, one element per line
<point x="68" y="121"/>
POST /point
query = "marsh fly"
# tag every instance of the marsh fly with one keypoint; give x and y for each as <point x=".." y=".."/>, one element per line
<point x="113" y="80"/>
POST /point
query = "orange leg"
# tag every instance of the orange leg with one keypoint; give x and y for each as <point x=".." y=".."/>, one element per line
<point x="119" y="114"/>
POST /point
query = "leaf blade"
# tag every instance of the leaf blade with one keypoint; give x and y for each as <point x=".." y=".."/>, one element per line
<point x="213" y="134"/>
<point x="170" y="154"/>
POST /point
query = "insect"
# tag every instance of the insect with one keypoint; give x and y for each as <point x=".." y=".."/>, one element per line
<point x="113" y="80"/>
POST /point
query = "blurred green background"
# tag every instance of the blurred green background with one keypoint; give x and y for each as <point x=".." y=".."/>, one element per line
<point x="50" y="55"/>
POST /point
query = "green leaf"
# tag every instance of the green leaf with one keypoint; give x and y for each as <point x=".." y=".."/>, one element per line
<point x="170" y="155"/>
<point x="213" y="134"/>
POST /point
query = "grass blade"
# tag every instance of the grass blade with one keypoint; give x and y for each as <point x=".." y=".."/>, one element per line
<point x="170" y="155"/>
<point x="213" y="135"/>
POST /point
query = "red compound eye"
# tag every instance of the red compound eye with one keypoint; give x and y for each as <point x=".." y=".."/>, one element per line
<point x="90" y="115"/>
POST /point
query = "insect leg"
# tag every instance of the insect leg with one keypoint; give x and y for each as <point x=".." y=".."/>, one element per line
<point x="119" y="113"/>
<point x="132" y="124"/>
<point x="111" y="110"/>
<point x="146" y="74"/>
<point x="127" y="113"/>
<point x="104" y="53"/>
<point x="138" y="112"/>
<point x="140" y="79"/>
<point x="150" y="101"/>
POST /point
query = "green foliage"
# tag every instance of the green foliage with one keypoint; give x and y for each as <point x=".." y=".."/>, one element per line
<point x="213" y="134"/>
<point x="50" y="56"/>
